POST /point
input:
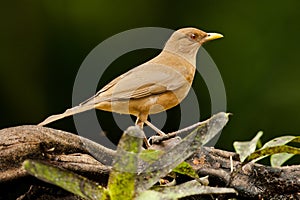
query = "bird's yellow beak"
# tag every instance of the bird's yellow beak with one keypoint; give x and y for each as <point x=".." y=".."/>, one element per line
<point x="213" y="36"/>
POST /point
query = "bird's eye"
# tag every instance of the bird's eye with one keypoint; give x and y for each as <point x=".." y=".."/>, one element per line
<point x="194" y="36"/>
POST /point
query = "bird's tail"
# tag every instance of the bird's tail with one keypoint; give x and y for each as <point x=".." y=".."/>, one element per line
<point x="68" y="112"/>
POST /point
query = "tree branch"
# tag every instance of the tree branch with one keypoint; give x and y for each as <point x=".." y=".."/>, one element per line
<point x="69" y="151"/>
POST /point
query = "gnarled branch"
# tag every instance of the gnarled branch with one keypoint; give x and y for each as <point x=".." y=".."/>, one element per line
<point x="70" y="152"/>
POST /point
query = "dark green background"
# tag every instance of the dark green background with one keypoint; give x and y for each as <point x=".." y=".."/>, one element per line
<point x="43" y="44"/>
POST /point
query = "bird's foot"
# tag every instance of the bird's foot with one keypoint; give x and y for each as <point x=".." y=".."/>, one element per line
<point x="147" y="143"/>
<point x="161" y="143"/>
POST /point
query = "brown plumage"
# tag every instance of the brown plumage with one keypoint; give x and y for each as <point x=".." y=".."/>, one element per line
<point x="157" y="85"/>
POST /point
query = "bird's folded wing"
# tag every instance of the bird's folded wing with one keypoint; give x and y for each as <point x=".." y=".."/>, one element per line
<point x="142" y="81"/>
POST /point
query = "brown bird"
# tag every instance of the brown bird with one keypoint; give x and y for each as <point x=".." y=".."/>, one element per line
<point x="155" y="86"/>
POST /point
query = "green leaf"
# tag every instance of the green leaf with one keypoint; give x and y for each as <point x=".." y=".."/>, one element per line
<point x="69" y="181"/>
<point x="121" y="182"/>
<point x="150" y="155"/>
<point x="152" y="195"/>
<point x="245" y="148"/>
<point x="278" y="159"/>
<point x="272" y="150"/>
<point x="183" y="190"/>
<point x="186" y="169"/>
<point x="281" y="141"/>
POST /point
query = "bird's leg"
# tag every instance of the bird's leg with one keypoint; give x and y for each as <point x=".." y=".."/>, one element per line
<point x="141" y="125"/>
<point x="157" y="130"/>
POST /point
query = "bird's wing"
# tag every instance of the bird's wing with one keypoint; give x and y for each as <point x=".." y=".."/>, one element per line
<point x="142" y="81"/>
<point x="105" y="88"/>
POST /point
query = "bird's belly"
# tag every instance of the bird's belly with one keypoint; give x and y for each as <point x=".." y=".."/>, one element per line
<point x="157" y="103"/>
<point x="169" y="100"/>
<point x="133" y="106"/>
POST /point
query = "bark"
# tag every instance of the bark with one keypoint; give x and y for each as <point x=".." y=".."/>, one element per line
<point x="69" y="151"/>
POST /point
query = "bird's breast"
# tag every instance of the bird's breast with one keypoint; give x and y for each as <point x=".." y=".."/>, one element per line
<point x="180" y="64"/>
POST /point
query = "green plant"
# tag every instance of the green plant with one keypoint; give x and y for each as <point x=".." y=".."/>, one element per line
<point x="279" y="149"/>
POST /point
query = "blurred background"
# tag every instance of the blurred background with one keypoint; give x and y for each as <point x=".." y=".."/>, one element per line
<point x="43" y="44"/>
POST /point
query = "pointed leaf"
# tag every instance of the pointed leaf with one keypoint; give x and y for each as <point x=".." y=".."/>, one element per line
<point x="278" y="159"/>
<point x="245" y="148"/>
<point x="69" y="181"/>
<point x="280" y="141"/>
<point x="183" y="190"/>
<point x="152" y="195"/>
<point x="121" y="182"/>
<point x="272" y="150"/>
<point x="185" y="168"/>
<point x="150" y="155"/>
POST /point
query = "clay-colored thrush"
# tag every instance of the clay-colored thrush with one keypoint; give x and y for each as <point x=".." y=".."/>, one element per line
<point x="157" y="85"/>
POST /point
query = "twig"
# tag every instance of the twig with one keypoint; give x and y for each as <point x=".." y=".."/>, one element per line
<point x="158" y="139"/>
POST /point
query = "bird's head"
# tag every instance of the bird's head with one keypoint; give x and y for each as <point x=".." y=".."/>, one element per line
<point x="193" y="35"/>
<point x="186" y="41"/>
